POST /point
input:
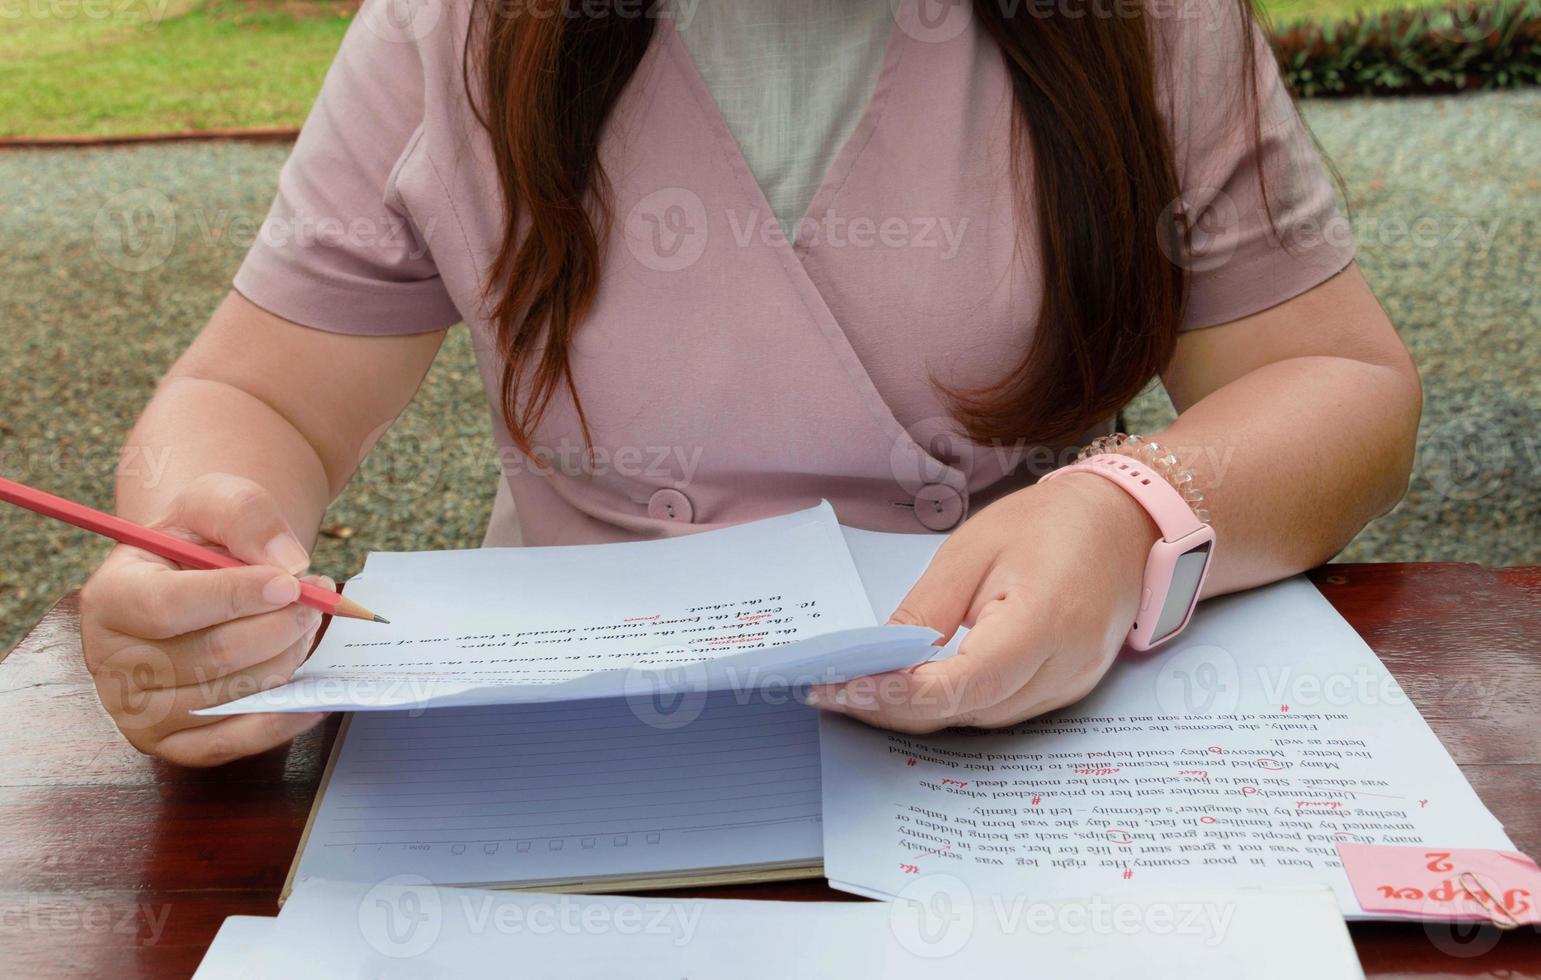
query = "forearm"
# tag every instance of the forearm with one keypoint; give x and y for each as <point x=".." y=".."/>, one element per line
<point x="289" y="408"/>
<point x="1294" y="458"/>
<point x="195" y="426"/>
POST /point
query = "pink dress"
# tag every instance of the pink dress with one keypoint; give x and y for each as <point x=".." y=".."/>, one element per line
<point x="728" y="375"/>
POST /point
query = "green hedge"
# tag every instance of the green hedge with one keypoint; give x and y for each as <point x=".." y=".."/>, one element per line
<point x="1413" y="52"/>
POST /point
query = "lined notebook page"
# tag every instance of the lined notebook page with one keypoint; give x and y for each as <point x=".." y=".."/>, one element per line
<point x="567" y="792"/>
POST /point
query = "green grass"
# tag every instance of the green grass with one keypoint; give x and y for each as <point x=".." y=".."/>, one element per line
<point x="100" y="67"/>
<point x="1282" y="12"/>
<point x="33" y="29"/>
<point x="112" y="67"/>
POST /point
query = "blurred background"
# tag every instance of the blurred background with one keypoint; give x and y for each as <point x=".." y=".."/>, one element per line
<point x="115" y="253"/>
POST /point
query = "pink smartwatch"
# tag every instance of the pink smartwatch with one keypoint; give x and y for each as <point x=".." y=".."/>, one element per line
<point x="1174" y="572"/>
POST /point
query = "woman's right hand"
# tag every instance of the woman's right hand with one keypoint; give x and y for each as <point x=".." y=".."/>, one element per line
<point x="162" y="641"/>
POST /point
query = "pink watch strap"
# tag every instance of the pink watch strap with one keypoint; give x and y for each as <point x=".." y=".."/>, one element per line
<point x="1160" y="499"/>
<point x="1183" y="536"/>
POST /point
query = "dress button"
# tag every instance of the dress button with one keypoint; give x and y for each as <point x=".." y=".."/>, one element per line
<point x="670" y="505"/>
<point x="939" y="507"/>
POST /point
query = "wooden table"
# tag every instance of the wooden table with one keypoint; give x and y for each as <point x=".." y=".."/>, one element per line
<point x="115" y="864"/>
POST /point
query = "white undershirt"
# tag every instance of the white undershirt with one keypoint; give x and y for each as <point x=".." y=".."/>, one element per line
<point x="792" y="78"/>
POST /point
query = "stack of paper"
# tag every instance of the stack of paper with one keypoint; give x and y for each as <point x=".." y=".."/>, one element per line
<point x="774" y="603"/>
<point x="407" y="928"/>
<point x="1244" y="752"/>
<point x="671" y="784"/>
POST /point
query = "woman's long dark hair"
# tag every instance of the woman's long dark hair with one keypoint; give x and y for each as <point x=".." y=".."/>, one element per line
<point x="1100" y="180"/>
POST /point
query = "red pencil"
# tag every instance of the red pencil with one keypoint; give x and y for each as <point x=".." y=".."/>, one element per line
<point x="184" y="553"/>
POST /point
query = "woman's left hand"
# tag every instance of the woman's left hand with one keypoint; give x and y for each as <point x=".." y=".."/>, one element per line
<point x="1048" y="581"/>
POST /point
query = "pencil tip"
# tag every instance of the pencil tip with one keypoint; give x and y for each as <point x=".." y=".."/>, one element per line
<point x="381" y="619"/>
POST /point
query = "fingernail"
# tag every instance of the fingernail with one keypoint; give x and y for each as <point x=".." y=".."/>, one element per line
<point x="281" y="590"/>
<point x="323" y="582"/>
<point x="826" y="700"/>
<point x="287" y="553"/>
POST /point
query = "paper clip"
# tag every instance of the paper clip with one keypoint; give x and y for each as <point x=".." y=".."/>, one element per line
<point x="1500" y="916"/>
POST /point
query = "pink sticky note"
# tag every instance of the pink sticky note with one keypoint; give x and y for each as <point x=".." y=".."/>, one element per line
<point x="1438" y="883"/>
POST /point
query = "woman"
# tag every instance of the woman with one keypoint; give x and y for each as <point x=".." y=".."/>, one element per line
<point x="1013" y="217"/>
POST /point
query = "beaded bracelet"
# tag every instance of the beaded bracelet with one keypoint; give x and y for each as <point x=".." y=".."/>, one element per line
<point x="1166" y="465"/>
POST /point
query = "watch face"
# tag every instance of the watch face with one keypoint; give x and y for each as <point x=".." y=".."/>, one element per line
<point x="1186" y="575"/>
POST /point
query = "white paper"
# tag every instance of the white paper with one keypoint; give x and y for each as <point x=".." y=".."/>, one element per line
<point x="470" y="795"/>
<point x="404" y="928"/>
<point x="889" y="564"/>
<point x="236" y="948"/>
<point x="563" y="793"/>
<point x="1241" y="753"/>
<point x="772" y="603"/>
